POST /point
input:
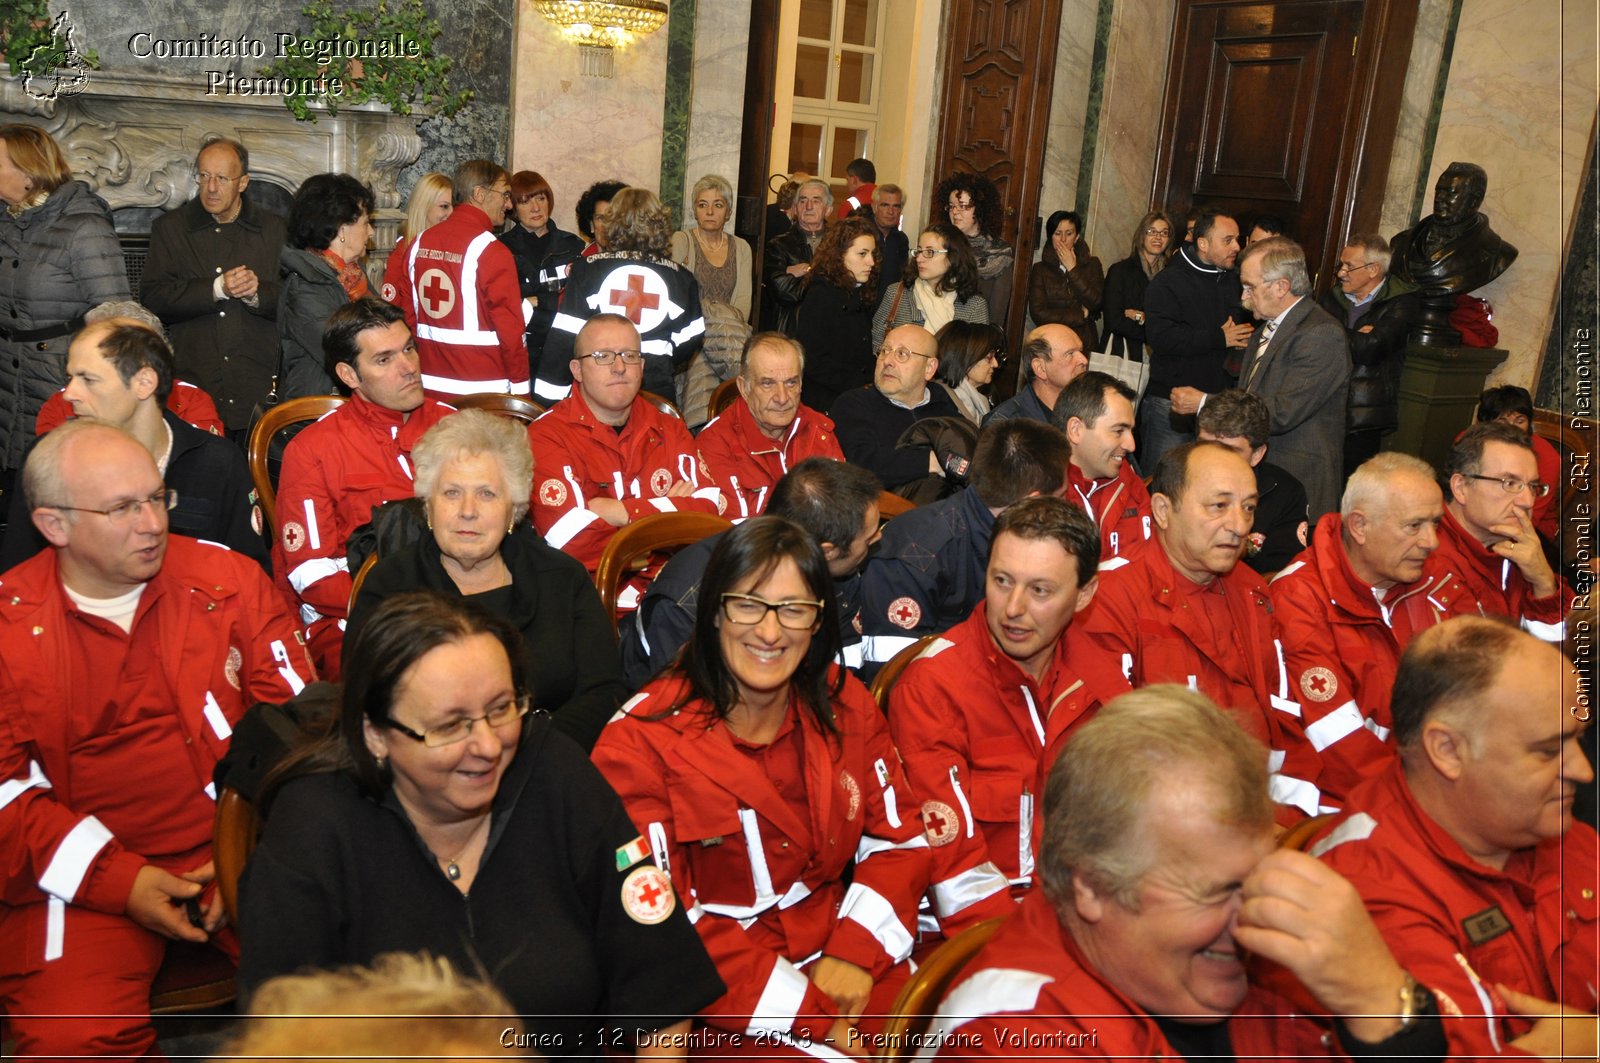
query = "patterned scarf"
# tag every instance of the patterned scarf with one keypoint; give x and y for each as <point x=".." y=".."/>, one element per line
<point x="351" y="275"/>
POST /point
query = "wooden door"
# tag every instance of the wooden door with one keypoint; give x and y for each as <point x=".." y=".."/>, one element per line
<point x="999" y="70"/>
<point x="1285" y="107"/>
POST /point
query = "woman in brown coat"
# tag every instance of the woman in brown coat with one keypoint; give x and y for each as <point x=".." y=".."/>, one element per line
<point x="1065" y="286"/>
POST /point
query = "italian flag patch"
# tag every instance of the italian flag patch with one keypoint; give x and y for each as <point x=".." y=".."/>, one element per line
<point x="632" y="853"/>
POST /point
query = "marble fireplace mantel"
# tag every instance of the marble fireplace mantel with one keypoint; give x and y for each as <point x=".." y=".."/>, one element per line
<point x="133" y="138"/>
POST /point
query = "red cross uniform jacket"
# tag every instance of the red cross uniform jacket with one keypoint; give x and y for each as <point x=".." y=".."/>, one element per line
<point x="747" y="464"/>
<point x="660" y="297"/>
<point x="1030" y="994"/>
<point x="1119" y="506"/>
<point x="334" y="473"/>
<point x="1151" y="619"/>
<point x="576" y="457"/>
<point x="978" y="736"/>
<point x="91" y="791"/>
<point x="1343" y="649"/>
<point x="462" y="299"/>
<point x="1461" y="927"/>
<point x="762" y="874"/>
<point x="1499" y="586"/>
<point x="187" y="401"/>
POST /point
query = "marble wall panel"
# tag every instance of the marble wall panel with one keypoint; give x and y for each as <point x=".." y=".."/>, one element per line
<point x="576" y="129"/>
<point x="1069" y="105"/>
<point x="1136" y="47"/>
<point x="1415" y="128"/>
<point x="1520" y="101"/>
<point x="716" y="108"/>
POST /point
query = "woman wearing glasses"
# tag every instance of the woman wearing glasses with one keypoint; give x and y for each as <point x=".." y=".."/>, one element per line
<point x="439" y="816"/>
<point x="475" y="477"/>
<point x="763" y="777"/>
<point x="972" y="204"/>
<point x="940" y="285"/>
<point x="969" y="356"/>
<point x="834" y="322"/>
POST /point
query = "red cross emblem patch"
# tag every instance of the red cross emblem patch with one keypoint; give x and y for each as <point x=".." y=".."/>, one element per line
<point x="294" y="537"/>
<point x="660" y="482"/>
<point x="1318" y="684"/>
<point x="552" y="493"/>
<point x="905" y="612"/>
<point x="647" y="895"/>
<point x="939" y="823"/>
<point x="438" y="293"/>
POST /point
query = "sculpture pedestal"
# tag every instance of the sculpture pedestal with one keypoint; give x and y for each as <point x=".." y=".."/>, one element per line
<point x="1439" y="389"/>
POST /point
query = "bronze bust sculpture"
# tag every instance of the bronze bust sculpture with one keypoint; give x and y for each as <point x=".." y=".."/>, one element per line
<point x="1450" y="252"/>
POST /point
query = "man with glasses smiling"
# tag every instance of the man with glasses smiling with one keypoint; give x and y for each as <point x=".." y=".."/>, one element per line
<point x="126" y="658"/>
<point x="462" y="296"/>
<point x="1487" y="535"/>
<point x="212" y="278"/>
<point x="1377" y="311"/>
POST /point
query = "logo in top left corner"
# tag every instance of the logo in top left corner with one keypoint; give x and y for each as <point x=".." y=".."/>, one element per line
<point x="56" y="68"/>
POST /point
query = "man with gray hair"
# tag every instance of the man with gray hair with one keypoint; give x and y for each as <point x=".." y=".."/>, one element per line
<point x="1299" y="362"/>
<point x="212" y="277"/>
<point x="1465" y="850"/>
<point x="1160" y="876"/>
<point x="766" y="431"/>
<point x="1348" y="605"/>
<point x="1377" y="310"/>
<point x="788" y="257"/>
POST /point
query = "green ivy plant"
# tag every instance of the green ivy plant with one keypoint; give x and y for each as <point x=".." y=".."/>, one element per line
<point x="412" y="75"/>
<point x="30" y="43"/>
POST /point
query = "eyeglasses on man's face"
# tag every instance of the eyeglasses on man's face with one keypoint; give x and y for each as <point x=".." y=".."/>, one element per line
<point x="123" y="512"/>
<point x="1512" y="485"/>
<point x="1346" y="268"/>
<point x="794" y="614"/>
<point x="607" y="357"/>
<point x="900" y="355"/>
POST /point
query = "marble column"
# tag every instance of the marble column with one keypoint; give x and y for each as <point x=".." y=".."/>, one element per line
<point x="716" y="108"/>
<point x="1069" y="112"/>
<point x="575" y="129"/>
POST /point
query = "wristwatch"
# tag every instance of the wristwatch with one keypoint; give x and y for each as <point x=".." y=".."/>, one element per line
<point x="1413" y="1002"/>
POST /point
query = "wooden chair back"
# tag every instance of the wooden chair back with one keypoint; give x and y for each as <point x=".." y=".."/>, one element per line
<point x="635" y="542"/>
<point x="517" y="407"/>
<point x="726" y="392"/>
<point x="889" y="674"/>
<point x="259" y="447"/>
<point x="664" y="405"/>
<point x="913" y="1009"/>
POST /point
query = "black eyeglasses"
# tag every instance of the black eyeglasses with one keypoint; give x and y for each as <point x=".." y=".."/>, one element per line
<point x="747" y="609"/>
<point x="1344" y="269"/>
<point x="607" y="357"/>
<point x="162" y="501"/>
<point x="457" y="730"/>
<point x="928" y="252"/>
<point x="1513" y="486"/>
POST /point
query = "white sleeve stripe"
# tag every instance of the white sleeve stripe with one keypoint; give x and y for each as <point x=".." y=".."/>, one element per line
<point x="1343" y="721"/>
<point x="571" y="523"/>
<point x="872" y="910"/>
<point x="1556" y="632"/>
<point x="1357" y="828"/>
<point x="961" y="891"/>
<point x="567" y="323"/>
<point x="55" y="931"/>
<point x="989" y="992"/>
<point x="458" y="337"/>
<point x="1293" y="566"/>
<point x="881" y="648"/>
<point x="1287" y="790"/>
<point x="313" y="532"/>
<point x="214" y="716"/>
<point x="73" y="858"/>
<point x="12" y="789"/>
<point x="780" y="999"/>
<point x="665" y="505"/>
<point x="551" y="392"/>
<point x="318" y="568"/>
<point x="690" y="331"/>
<point x="469" y="277"/>
<point x="451" y="385"/>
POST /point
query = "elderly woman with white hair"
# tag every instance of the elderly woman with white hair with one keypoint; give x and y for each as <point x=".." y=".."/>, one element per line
<point x="475" y="477"/>
<point x="721" y="262"/>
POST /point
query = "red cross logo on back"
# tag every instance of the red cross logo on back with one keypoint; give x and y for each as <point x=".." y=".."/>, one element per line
<point x="633" y="299"/>
<point x="438" y="293"/>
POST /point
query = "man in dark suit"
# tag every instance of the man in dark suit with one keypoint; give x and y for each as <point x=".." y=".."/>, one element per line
<point x="1298" y="361"/>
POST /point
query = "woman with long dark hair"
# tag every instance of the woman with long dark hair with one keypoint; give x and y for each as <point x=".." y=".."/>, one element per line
<point x="834" y="326"/>
<point x="764" y="777"/>
<point x="970" y="355"/>
<point x="1127" y="280"/>
<point x="940" y="285"/>
<point x="441" y="816"/>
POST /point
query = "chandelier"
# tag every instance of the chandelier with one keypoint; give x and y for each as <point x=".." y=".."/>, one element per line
<point x="598" y="26"/>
